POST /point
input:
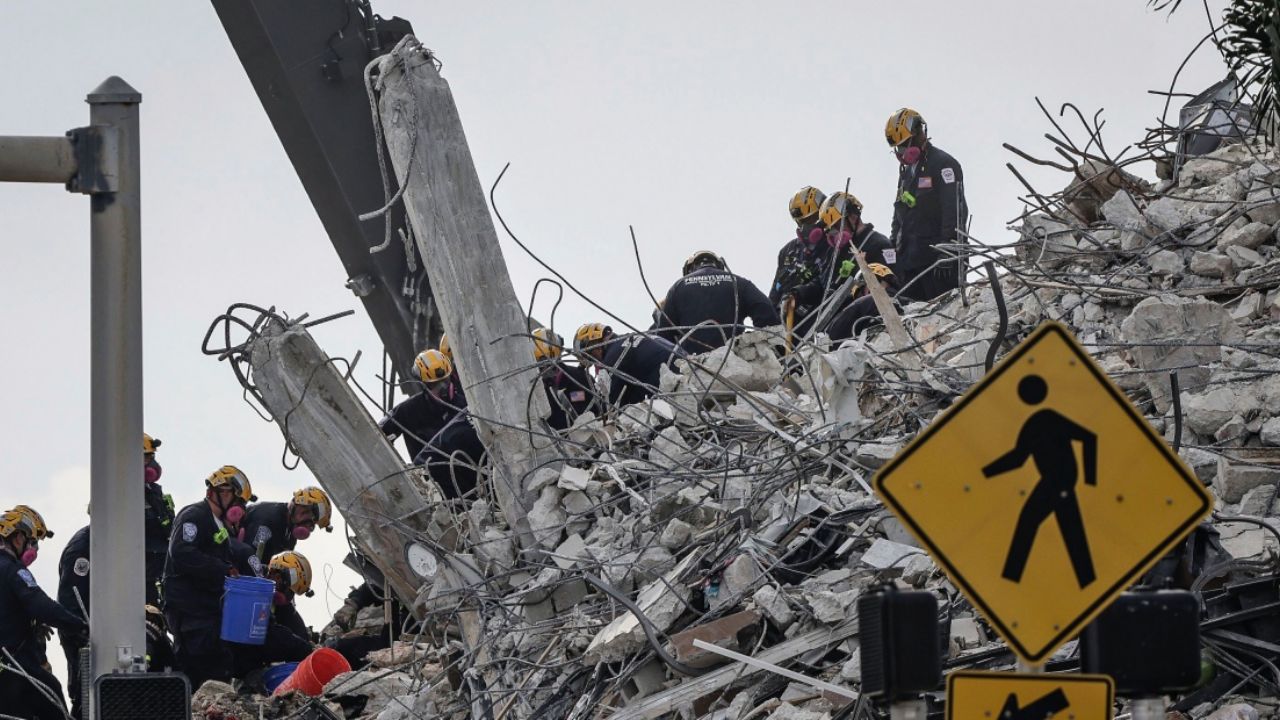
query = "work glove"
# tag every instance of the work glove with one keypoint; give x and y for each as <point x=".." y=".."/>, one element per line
<point x="44" y="632"/>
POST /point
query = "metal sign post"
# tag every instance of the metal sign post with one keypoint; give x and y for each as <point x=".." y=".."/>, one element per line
<point x="102" y="161"/>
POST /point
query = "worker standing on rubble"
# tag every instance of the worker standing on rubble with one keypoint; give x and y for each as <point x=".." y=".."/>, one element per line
<point x="74" y="564"/>
<point x="633" y="362"/>
<point x="929" y="208"/>
<point x="426" y="413"/>
<point x="24" y="608"/>
<point x="709" y="305"/>
<point x="201" y="556"/>
<point x="271" y="528"/>
<point x="800" y="259"/>
<point x="288" y="637"/>
<point x="569" y="388"/>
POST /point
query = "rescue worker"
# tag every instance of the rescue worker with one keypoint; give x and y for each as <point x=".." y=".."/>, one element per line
<point x="929" y="207"/>
<point x="453" y="457"/>
<point x="846" y="233"/>
<point x="709" y="304"/>
<point x="24" y="608"/>
<point x="74" y="565"/>
<point x="424" y="414"/>
<point x="863" y="312"/>
<point x="271" y="528"/>
<point x="288" y="637"/>
<point x="569" y="388"/>
<point x="633" y="362"/>
<point x="800" y="260"/>
<point x="202" y="554"/>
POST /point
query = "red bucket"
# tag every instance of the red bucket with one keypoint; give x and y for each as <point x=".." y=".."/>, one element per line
<point x="315" y="672"/>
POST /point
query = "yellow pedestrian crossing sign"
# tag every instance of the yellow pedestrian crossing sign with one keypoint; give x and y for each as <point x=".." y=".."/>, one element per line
<point x="975" y="695"/>
<point x="1043" y="493"/>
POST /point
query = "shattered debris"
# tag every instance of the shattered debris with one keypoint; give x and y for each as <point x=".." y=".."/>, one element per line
<point x="734" y="507"/>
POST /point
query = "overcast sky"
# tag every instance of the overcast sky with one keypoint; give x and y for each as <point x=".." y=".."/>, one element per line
<point x="694" y="122"/>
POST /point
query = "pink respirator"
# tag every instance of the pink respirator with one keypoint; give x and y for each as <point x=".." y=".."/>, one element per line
<point x="301" y="532"/>
<point x="29" y="556"/>
<point x="279" y="599"/>
<point x="910" y="156"/>
<point x="815" y="236"/>
<point x="151" y="472"/>
<point x="235" y="514"/>
<point x="839" y="239"/>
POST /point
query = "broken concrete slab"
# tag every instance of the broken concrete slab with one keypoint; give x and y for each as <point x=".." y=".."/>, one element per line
<point x="723" y="632"/>
<point x="1171" y="332"/>
<point x="662" y="601"/>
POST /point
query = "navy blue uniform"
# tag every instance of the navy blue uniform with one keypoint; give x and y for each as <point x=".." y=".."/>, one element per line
<point x="930" y="206"/>
<point x="266" y="530"/>
<point x="201" y="555"/>
<point x="452" y="456"/>
<point x="570" y="393"/>
<point x="635" y="365"/>
<point x="420" y="417"/>
<point x="720" y="299"/>
<point x="22" y="606"/>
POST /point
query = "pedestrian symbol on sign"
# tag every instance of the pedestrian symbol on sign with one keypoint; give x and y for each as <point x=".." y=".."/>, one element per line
<point x="1043" y="493"/>
<point x="1047" y="438"/>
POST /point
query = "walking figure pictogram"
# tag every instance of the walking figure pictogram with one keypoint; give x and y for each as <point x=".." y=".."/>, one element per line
<point x="1047" y="438"/>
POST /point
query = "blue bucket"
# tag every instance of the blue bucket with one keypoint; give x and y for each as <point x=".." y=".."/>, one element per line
<point x="246" y="609"/>
<point x="277" y="674"/>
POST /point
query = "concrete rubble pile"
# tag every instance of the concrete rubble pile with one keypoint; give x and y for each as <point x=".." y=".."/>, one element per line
<point x="734" y="506"/>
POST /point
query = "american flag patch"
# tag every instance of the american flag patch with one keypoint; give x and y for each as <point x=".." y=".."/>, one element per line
<point x="926" y="182"/>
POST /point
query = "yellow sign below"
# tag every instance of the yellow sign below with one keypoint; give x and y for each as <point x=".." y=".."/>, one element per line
<point x="1043" y="493"/>
<point x="1009" y="696"/>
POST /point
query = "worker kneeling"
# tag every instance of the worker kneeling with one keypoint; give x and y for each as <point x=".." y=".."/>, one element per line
<point x="862" y="313"/>
<point x="273" y="527"/>
<point x="633" y="362"/>
<point x="288" y="637"/>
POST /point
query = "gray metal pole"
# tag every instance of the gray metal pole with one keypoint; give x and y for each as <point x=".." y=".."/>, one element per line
<point x="36" y="159"/>
<point x="118" y="635"/>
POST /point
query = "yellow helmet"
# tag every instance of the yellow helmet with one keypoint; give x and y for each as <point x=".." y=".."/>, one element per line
<point x="149" y="444"/>
<point x="903" y="125"/>
<point x="700" y="258"/>
<point x="432" y="366"/>
<point x="805" y="203"/>
<point x="230" y="475"/>
<point x="588" y="336"/>
<point x="314" y="497"/>
<point x="840" y="206"/>
<point x="879" y="270"/>
<point x="546" y="344"/>
<point x="295" y="568"/>
<point x="23" y="518"/>
<point x="445" y="347"/>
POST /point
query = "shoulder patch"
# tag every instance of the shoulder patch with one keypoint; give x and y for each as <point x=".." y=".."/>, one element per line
<point x="27" y="577"/>
<point x="948" y="175"/>
<point x="262" y="535"/>
<point x="890" y="256"/>
<point x="189" y="531"/>
<point x="81" y="566"/>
